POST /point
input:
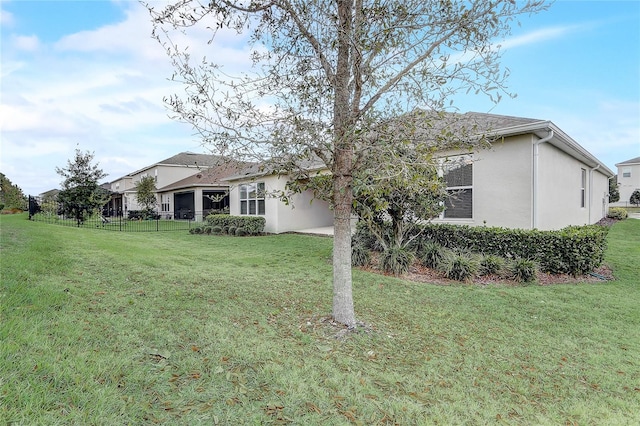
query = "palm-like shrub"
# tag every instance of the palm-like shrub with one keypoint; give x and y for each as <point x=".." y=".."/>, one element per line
<point x="523" y="270"/>
<point x="397" y="260"/>
<point x="459" y="266"/>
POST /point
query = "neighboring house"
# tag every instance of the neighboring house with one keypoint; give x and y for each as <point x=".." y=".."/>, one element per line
<point x="50" y="195"/>
<point x="200" y="194"/>
<point x="628" y="178"/>
<point x="534" y="176"/>
<point x="251" y="193"/>
<point x="165" y="173"/>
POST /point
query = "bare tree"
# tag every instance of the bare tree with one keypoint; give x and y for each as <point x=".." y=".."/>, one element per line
<point x="324" y="74"/>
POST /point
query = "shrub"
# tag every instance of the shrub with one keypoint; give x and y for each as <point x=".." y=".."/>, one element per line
<point x="241" y="232"/>
<point x="397" y="260"/>
<point x="216" y="229"/>
<point x="431" y="253"/>
<point x="572" y="250"/>
<point x="232" y="230"/>
<point x="196" y="230"/>
<point x="617" y="213"/>
<point x="459" y="266"/>
<point x="635" y="197"/>
<point x="491" y="264"/>
<point x="363" y="237"/>
<point x="253" y="225"/>
<point x="360" y="255"/>
<point x="207" y="230"/>
<point x="523" y="270"/>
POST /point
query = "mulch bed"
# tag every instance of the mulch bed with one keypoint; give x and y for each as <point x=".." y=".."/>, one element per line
<point x="422" y="274"/>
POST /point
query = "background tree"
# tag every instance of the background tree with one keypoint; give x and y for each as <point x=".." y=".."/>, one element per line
<point x="614" y="193"/>
<point x="11" y="196"/>
<point x="146" y="194"/>
<point x="325" y="73"/>
<point x="81" y="195"/>
<point x="635" y="197"/>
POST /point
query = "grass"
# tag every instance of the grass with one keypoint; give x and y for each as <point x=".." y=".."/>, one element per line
<point x="173" y="328"/>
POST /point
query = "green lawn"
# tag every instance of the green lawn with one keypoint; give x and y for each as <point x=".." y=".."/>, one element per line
<point x="116" y="328"/>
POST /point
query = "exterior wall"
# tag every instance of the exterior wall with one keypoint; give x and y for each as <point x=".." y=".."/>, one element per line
<point x="300" y="214"/>
<point x="626" y="185"/>
<point x="560" y="183"/>
<point x="501" y="185"/>
<point x="164" y="175"/>
<point x="598" y="196"/>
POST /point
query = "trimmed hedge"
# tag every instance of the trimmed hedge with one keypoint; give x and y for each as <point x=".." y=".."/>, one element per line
<point x="617" y="213"/>
<point x="251" y="225"/>
<point x="573" y="250"/>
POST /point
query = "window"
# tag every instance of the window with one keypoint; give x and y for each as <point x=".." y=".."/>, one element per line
<point x="458" y="176"/>
<point x="252" y="198"/>
<point x="583" y="188"/>
<point x="626" y="172"/>
<point x="165" y="202"/>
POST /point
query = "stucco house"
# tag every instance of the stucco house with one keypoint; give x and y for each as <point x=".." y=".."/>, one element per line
<point x="200" y="194"/>
<point x="533" y="176"/>
<point x="628" y="178"/>
<point x="173" y="201"/>
<point x="251" y="192"/>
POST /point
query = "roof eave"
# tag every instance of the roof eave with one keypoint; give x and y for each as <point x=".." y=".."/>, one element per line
<point x="560" y="140"/>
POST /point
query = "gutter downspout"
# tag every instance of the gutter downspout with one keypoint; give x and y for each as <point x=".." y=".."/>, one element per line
<point x="535" y="201"/>
<point x="591" y="189"/>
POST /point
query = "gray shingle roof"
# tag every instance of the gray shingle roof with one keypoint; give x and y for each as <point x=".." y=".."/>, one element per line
<point x="632" y="161"/>
<point x="192" y="159"/>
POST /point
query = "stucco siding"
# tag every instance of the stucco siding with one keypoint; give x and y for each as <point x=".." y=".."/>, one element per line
<point x="599" y="196"/>
<point x="559" y="189"/>
<point x="502" y="184"/>
<point x="628" y="184"/>
<point x="301" y="213"/>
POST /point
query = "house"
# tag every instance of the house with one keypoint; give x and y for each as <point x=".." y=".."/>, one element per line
<point x="200" y="194"/>
<point x="532" y="176"/>
<point x="252" y="192"/>
<point x="183" y="182"/>
<point x="628" y="178"/>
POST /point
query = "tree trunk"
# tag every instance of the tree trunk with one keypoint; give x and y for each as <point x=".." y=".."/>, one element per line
<point x="342" y="164"/>
<point x="343" y="310"/>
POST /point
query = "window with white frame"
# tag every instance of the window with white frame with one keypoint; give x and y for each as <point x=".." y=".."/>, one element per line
<point x="626" y="172"/>
<point x="252" y="198"/>
<point x="583" y="188"/>
<point x="457" y="173"/>
<point x="165" y="202"/>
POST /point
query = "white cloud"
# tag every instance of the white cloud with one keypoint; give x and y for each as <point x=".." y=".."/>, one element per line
<point x="26" y="43"/>
<point x="538" y="36"/>
<point x="6" y="18"/>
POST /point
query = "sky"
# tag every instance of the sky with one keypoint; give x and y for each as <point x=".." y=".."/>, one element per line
<point x="87" y="75"/>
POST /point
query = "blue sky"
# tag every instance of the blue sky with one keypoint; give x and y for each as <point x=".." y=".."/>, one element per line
<point x="86" y="74"/>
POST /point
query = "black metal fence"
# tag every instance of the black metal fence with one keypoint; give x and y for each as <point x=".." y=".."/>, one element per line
<point x="130" y="221"/>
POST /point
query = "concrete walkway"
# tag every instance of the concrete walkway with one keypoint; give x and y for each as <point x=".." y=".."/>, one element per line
<point x="324" y="231"/>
